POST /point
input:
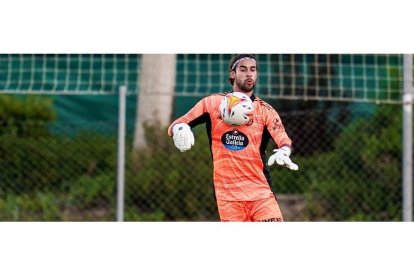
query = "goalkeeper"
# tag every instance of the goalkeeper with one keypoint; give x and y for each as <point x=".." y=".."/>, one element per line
<point x="241" y="177"/>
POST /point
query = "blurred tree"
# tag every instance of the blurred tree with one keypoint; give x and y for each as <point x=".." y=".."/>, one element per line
<point x="156" y="93"/>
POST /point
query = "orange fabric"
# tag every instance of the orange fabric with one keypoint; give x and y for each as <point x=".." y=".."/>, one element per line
<point x="238" y="165"/>
<point x="266" y="209"/>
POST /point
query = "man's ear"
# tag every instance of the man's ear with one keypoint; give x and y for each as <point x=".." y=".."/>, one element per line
<point x="232" y="74"/>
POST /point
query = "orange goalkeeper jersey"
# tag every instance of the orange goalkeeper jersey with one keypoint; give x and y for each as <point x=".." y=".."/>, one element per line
<point x="239" y="158"/>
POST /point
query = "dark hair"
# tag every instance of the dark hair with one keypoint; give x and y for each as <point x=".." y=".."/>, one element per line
<point x="235" y="60"/>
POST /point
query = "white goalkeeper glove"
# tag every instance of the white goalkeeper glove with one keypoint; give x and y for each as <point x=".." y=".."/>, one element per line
<point x="281" y="156"/>
<point x="183" y="136"/>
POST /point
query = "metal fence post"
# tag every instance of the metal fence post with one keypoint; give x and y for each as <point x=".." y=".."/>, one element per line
<point x="121" y="154"/>
<point x="407" y="139"/>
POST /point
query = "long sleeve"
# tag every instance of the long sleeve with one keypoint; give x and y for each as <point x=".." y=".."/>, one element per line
<point x="276" y="129"/>
<point x="191" y="116"/>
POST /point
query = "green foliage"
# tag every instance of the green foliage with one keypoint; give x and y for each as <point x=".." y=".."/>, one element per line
<point x="54" y="177"/>
<point x="86" y="199"/>
<point x="135" y="214"/>
<point x="366" y="165"/>
<point x="161" y="175"/>
<point x="29" y="207"/>
<point x="286" y="181"/>
<point x="25" y="115"/>
<point x="92" y="192"/>
<point x="23" y="121"/>
<point x="27" y="163"/>
<point x="69" y="175"/>
<point x="48" y="176"/>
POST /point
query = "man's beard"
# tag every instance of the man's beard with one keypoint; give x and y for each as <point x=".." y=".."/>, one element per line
<point x="245" y="87"/>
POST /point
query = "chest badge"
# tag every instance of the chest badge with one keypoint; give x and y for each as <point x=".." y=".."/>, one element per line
<point x="234" y="140"/>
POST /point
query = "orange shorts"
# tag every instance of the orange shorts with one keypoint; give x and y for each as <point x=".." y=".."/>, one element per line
<point x="266" y="209"/>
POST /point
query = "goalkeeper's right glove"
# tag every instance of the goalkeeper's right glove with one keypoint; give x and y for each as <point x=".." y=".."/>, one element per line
<point x="183" y="136"/>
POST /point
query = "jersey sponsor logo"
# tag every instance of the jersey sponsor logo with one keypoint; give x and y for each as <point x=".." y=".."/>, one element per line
<point x="277" y="125"/>
<point x="234" y="140"/>
<point x="272" y="220"/>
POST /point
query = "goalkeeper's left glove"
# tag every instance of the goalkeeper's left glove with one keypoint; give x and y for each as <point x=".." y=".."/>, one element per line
<point x="281" y="156"/>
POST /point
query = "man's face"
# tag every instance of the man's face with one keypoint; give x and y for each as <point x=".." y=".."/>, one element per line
<point x="245" y="75"/>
